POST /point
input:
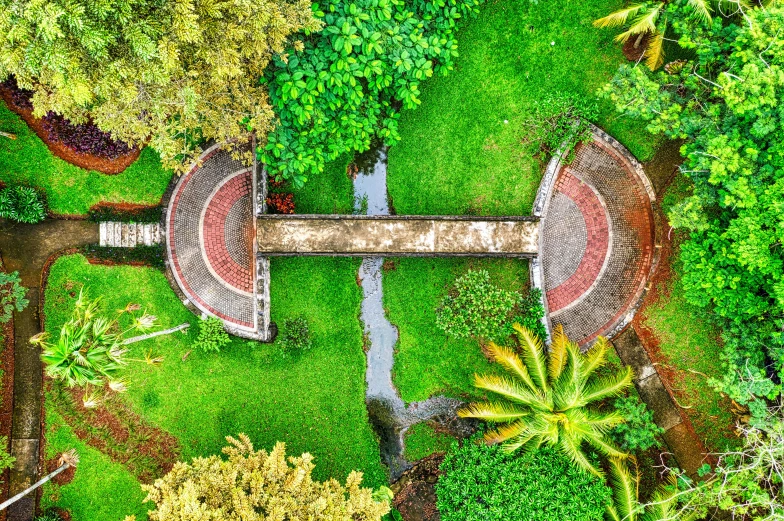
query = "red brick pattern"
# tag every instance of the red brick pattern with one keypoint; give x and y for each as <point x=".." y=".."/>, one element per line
<point x="598" y="235"/>
<point x="184" y="245"/>
<point x="234" y="192"/>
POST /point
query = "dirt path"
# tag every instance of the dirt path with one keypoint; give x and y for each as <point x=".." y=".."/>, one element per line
<point x="26" y="248"/>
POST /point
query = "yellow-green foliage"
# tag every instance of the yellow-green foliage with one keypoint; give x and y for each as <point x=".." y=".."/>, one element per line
<point x="258" y="485"/>
<point x="149" y="69"/>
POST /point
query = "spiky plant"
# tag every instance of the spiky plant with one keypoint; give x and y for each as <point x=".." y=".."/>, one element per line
<point x="653" y="17"/>
<point x="91" y="349"/>
<point x="625" y="505"/>
<point x="553" y="398"/>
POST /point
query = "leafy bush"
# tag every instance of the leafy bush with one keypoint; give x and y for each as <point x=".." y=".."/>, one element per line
<point x="474" y="307"/>
<point x="560" y="120"/>
<point x="110" y="212"/>
<point x="345" y="87"/>
<point x="731" y="126"/>
<point x="22" y="204"/>
<point x="295" y="337"/>
<point x="12" y="295"/>
<point x="212" y="337"/>
<point x="153" y="256"/>
<point x="639" y="432"/>
<point x="6" y="460"/>
<point x="482" y="482"/>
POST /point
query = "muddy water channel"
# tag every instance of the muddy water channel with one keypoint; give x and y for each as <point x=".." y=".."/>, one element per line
<point x="389" y="414"/>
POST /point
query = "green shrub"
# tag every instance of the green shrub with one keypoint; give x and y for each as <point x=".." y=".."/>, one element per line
<point x="295" y="337"/>
<point x="6" y="460"/>
<point x="344" y="87"/>
<point x="639" y="432"/>
<point x="12" y="295"/>
<point x="22" y="204"/>
<point x="484" y="483"/>
<point x="212" y="336"/>
<point x="474" y="307"/>
<point x="49" y="515"/>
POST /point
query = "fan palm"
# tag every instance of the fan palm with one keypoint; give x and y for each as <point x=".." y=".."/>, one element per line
<point x="652" y="18"/>
<point x="551" y="399"/>
<point x="91" y="349"/>
<point x="626" y="507"/>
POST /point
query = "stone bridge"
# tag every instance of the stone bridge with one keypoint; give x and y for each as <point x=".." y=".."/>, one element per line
<point x="592" y="240"/>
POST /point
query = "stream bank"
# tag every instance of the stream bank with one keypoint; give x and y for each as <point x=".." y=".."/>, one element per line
<point x="389" y="414"/>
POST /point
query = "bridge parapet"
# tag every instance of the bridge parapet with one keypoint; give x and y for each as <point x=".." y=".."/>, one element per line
<point x="400" y="236"/>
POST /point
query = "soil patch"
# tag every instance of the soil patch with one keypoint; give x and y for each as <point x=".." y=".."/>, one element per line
<point x="62" y="478"/>
<point x="671" y="377"/>
<point x="634" y="49"/>
<point x="415" y="492"/>
<point x="116" y="430"/>
<point x="80" y="159"/>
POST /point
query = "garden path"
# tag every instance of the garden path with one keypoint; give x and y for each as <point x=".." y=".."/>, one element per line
<point x="27" y="248"/>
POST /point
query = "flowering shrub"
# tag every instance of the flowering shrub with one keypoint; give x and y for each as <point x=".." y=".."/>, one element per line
<point x="281" y="203"/>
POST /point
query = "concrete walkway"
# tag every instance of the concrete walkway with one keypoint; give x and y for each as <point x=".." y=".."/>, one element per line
<point x="26" y="248"/>
<point x="399" y="236"/>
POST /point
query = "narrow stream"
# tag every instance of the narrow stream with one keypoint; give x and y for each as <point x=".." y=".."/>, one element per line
<point x="388" y="413"/>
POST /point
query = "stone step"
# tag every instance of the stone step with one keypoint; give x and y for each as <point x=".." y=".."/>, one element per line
<point x="129" y="235"/>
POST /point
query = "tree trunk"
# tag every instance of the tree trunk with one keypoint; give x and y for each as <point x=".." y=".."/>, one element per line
<point x="169" y="331"/>
<point x="37" y="484"/>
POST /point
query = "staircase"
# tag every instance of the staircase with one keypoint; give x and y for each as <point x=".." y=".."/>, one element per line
<point x="129" y="235"/>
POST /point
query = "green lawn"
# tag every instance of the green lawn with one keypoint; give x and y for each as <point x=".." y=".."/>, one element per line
<point x="457" y="154"/>
<point x="422" y="441"/>
<point x="314" y="402"/>
<point x="461" y="153"/>
<point x="70" y="189"/>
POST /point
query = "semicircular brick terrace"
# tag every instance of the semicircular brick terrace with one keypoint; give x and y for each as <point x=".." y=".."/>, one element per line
<point x="598" y="240"/>
<point x="210" y="238"/>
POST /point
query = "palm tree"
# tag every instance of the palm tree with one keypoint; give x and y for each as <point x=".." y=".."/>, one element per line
<point x="625" y="505"/>
<point x="91" y="349"/>
<point x="551" y="399"/>
<point x="651" y="18"/>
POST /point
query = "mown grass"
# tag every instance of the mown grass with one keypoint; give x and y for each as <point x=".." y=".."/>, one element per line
<point x="691" y="346"/>
<point x="422" y="441"/>
<point x="68" y="188"/>
<point x="101" y="489"/>
<point x="461" y="149"/>
<point x="428" y="361"/>
<point x="314" y="402"/>
<point x="461" y="152"/>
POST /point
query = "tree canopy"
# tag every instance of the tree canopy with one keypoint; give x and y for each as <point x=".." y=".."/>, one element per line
<point x="727" y="104"/>
<point x="258" y="485"/>
<point x="164" y="72"/>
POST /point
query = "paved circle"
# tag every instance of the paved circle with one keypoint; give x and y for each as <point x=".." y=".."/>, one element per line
<point x="592" y="286"/>
<point x="210" y="230"/>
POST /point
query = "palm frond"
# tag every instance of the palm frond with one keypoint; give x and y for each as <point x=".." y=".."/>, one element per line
<point x="596" y="356"/>
<point x="600" y="442"/>
<point x="557" y="352"/>
<point x="533" y="355"/>
<point x="506" y="432"/>
<point x="701" y="8"/>
<point x="494" y="412"/>
<point x="619" y="17"/>
<point x="571" y="449"/>
<point x="508" y="388"/>
<point x="625" y="490"/>
<point x="512" y="363"/>
<point x="654" y="54"/>
<point x="645" y="23"/>
<point x="607" y="387"/>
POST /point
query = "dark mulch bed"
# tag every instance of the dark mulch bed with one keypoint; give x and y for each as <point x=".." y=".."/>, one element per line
<point x="62" y="478"/>
<point x="415" y="493"/>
